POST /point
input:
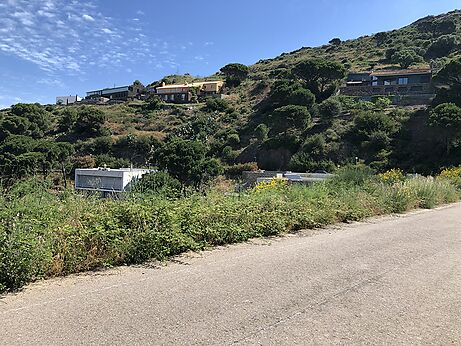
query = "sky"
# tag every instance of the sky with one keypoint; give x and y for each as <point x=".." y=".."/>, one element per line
<point x="52" y="48"/>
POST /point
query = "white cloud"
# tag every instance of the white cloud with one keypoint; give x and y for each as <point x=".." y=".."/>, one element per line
<point x="73" y="37"/>
<point x="25" y="18"/>
<point x="88" y="18"/>
<point x="107" y="31"/>
<point x="51" y="82"/>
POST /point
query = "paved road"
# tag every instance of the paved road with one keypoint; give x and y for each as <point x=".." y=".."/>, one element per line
<point x="395" y="280"/>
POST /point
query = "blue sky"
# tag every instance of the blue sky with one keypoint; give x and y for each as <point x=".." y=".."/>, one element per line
<point x="50" y="48"/>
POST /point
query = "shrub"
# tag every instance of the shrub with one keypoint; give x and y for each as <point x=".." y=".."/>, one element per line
<point x="405" y="58"/>
<point x="392" y="176"/>
<point x="217" y="105"/>
<point x="233" y="139"/>
<point x="110" y="161"/>
<point x="453" y="175"/>
<point x="160" y="183"/>
<point x="261" y="132"/>
<point x="330" y="108"/>
<point x="273" y="184"/>
<point x="354" y="175"/>
<point x="442" y="46"/>
<point x="237" y="170"/>
<point x="382" y="102"/>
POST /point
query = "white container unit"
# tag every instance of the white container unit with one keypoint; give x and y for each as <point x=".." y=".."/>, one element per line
<point x="106" y="179"/>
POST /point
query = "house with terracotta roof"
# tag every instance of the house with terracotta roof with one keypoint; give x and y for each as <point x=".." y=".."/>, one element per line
<point x="396" y="83"/>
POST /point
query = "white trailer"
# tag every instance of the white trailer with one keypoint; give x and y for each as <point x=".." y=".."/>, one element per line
<point x="107" y="180"/>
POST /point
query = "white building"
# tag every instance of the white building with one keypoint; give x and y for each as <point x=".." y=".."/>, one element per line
<point x="67" y="100"/>
<point x="106" y="179"/>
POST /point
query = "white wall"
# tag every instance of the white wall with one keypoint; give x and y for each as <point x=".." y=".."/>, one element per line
<point x="67" y="100"/>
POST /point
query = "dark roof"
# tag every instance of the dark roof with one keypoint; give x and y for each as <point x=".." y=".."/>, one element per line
<point x="384" y="73"/>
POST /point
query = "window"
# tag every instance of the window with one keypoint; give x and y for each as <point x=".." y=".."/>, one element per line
<point x="403" y="81"/>
<point x="425" y="79"/>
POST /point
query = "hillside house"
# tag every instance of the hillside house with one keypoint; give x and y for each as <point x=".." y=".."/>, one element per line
<point x="123" y="93"/>
<point x="67" y="100"/>
<point x="397" y="83"/>
<point x="183" y="93"/>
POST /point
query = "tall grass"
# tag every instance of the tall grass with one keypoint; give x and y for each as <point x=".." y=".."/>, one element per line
<point x="44" y="235"/>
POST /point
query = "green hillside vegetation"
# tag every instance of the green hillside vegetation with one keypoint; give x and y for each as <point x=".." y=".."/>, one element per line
<point x="281" y="113"/>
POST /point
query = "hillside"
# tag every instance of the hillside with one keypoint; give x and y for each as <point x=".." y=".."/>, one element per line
<point x="274" y="117"/>
<point x="426" y="37"/>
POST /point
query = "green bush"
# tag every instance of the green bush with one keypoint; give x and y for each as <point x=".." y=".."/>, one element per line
<point x="354" y="175"/>
<point x="330" y="108"/>
<point x="236" y="171"/>
<point x="160" y="184"/>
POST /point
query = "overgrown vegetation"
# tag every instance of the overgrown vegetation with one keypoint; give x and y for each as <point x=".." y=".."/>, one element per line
<point x="44" y="234"/>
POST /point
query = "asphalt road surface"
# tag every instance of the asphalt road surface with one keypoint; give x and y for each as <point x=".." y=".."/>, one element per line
<point x="394" y="281"/>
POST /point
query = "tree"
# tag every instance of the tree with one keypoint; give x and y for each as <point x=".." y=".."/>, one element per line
<point x="373" y="133"/>
<point x="26" y="164"/>
<point x="235" y="74"/>
<point x="233" y="140"/>
<point x="442" y="46"/>
<point x="287" y="92"/>
<point x="14" y="125"/>
<point x="291" y="116"/>
<point x="135" y="149"/>
<point x="261" y="132"/>
<point x="335" y="41"/>
<point x="405" y="58"/>
<point x="447" y="118"/>
<point x="381" y="38"/>
<point x="154" y="102"/>
<point x="448" y="82"/>
<point x="67" y="120"/>
<point x="209" y="169"/>
<point x="186" y="161"/>
<point x="321" y="76"/>
<point x="159" y="183"/>
<point x="90" y="122"/>
<point x="330" y="108"/>
<point x="36" y="114"/>
<point x="437" y="27"/>
<point x="18" y="157"/>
